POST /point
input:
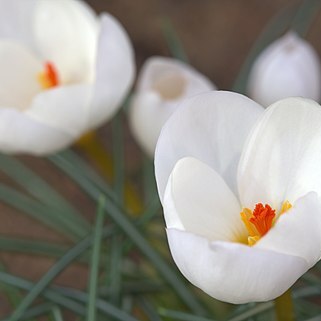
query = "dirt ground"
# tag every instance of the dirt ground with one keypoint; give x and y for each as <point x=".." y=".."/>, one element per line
<point x="217" y="36"/>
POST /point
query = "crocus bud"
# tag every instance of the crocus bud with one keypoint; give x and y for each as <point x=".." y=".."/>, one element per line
<point x="162" y="84"/>
<point x="288" y="67"/>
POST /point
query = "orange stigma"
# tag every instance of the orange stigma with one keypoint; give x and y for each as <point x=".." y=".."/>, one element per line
<point x="262" y="218"/>
<point x="260" y="221"/>
<point x="49" y="77"/>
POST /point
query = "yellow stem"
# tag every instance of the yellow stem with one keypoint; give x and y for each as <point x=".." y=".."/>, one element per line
<point x="93" y="147"/>
<point x="284" y="309"/>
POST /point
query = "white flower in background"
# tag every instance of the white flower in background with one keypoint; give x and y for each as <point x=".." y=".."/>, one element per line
<point x="63" y="71"/>
<point x="288" y="67"/>
<point x="162" y="84"/>
<point x="240" y="189"/>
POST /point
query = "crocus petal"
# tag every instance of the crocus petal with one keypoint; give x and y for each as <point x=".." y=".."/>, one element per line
<point x="211" y="127"/>
<point x="281" y="159"/>
<point x="115" y="70"/>
<point x="63" y="107"/>
<point x="198" y="200"/>
<point x="16" y="20"/>
<point x="288" y="67"/>
<point x="66" y="33"/>
<point x="22" y="134"/>
<point x="18" y="76"/>
<point x="162" y="84"/>
<point x="297" y="232"/>
<point x="233" y="272"/>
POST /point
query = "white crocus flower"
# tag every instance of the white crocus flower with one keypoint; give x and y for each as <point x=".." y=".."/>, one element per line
<point x="63" y="71"/>
<point x="162" y="84"/>
<point x="288" y="67"/>
<point x="240" y="189"/>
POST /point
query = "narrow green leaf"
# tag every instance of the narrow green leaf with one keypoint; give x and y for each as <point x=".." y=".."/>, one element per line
<point x="122" y="220"/>
<point x="31" y="247"/>
<point x="59" y="266"/>
<point x="56" y="313"/>
<point x="305" y="15"/>
<point x="258" y="308"/>
<point x="173" y="42"/>
<point x="37" y="311"/>
<point x="118" y="155"/>
<point x="115" y="274"/>
<point x="277" y="25"/>
<point x="42" y="191"/>
<point x="177" y="315"/>
<point x="37" y="210"/>
<point x="94" y="266"/>
<point x="56" y="297"/>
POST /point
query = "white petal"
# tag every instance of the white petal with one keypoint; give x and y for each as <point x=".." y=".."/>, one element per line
<point x="288" y="67"/>
<point x="211" y="127"/>
<point x="198" y="200"/>
<point x="18" y="75"/>
<point x="21" y="134"/>
<point x="115" y="70"/>
<point x="281" y="159"/>
<point x="162" y="84"/>
<point x="233" y="272"/>
<point x="298" y="231"/>
<point x="16" y="19"/>
<point x="66" y="33"/>
<point x="64" y="108"/>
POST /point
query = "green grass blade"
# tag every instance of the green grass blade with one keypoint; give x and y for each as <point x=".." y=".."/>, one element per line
<point x="135" y="235"/>
<point x="31" y="247"/>
<point x="305" y="16"/>
<point x="56" y="297"/>
<point x="37" y="311"/>
<point x="38" y="211"/>
<point x="59" y="266"/>
<point x="173" y="42"/>
<point x="57" y="315"/>
<point x="177" y="315"/>
<point x="41" y="190"/>
<point x="278" y="24"/>
<point x="94" y="267"/>
<point x="251" y="312"/>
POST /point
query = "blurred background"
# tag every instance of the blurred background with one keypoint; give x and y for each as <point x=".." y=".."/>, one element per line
<point x="217" y="37"/>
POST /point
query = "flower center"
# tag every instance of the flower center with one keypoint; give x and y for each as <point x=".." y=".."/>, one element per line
<point x="49" y="77"/>
<point x="260" y="221"/>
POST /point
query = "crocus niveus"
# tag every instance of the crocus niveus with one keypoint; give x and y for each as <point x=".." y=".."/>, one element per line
<point x="288" y="67"/>
<point x="162" y="84"/>
<point x="240" y="190"/>
<point x="63" y="71"/>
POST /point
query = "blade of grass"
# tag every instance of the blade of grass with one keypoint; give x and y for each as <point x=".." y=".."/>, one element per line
<point x="258" y="308"/>
<point x="37" y="210"/>
<point x="94" y="266"/>
<point x="66" y="302"/>
<point x="173" y="42"/>
<point x="305" y="16"/>
<point x="118" y="155"/>
<point x="56" y="313"/>
<point x="31" y="247"/>
<point x="42" y="191"/>
<point x="277" y="25"/>
<point x="36" y="311"/>
<point x="59" y="266"/>
<point x="177" y="315"/>
<point x="125" y="224"/>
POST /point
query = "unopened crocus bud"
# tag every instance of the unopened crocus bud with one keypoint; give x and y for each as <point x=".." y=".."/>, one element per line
<point x="288" y="67"/>
<point x="162" y="85"/>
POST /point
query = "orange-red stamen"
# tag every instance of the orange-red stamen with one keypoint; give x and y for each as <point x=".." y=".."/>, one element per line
<point x="262" y="218"/>
<point x="49" y="77"/>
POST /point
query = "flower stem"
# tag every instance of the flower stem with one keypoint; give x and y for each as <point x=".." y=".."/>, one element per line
<point x="284" y="309"/>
